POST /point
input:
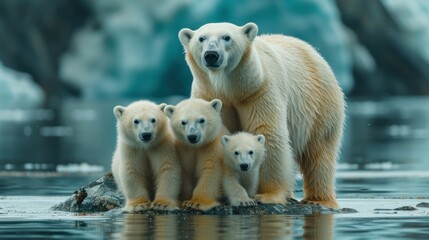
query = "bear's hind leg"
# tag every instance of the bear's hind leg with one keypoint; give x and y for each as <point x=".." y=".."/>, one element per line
<point x="317" y="165"/>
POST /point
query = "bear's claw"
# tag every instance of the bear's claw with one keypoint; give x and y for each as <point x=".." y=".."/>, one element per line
<point x="132" y="208"/>
<point x="248" y="203"/>
<point x="270" y="198"/>
<point x="163" y="205"/>
<point x="329" y="204"/>
<point x="244" y="203"/>
<point x="199" y="205"/>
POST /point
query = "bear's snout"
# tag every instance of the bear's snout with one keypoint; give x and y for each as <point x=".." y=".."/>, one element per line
<point x="146" y="137"/>
<point x="193" y="138"/>
<point x="244" y="167"/>
<point x="211" y="58"/>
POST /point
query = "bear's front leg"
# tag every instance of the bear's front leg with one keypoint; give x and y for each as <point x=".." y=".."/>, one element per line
<point x="136" y="193"/>
<point x="276" y="179"/>
<point x="167" y="172"/>
<point x="236" y="194"/>
<point x="207" y="191"/>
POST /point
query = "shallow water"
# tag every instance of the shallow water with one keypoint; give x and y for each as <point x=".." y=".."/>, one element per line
<point x="384" y="166"/>
<point x="28" y="216"/>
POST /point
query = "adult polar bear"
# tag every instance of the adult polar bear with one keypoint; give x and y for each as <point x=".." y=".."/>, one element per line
<point x="277" y="86"/>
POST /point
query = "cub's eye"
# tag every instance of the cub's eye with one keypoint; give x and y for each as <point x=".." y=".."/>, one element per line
<point x="236" y="153"/>
<point x="183" y="123"/>
<point x="202" y="120"/>
<point x="251" y="152"/>
<point x="136" y="121"/>
<point x="201" y="39"/>
<point x="153" y="120"/>
<point x="227" y="38"/>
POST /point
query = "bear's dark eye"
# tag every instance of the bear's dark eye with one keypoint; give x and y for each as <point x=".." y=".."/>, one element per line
<point x="236" y="153"/>
<point x="136" y="121"/>
<point x="183" y="123"/>
<point x="201" y="39"/>
<point x="227" y="38"/>
<point x="153" y="120"/>
<point x="251" y="152"/>
<point x="202" y="120"/>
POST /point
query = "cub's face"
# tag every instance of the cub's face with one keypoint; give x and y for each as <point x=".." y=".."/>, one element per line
<point x="218" y="46"/>
<point x="140" y="123"/>
<point x="195" y="122"/>
<point x="243" y="151"/>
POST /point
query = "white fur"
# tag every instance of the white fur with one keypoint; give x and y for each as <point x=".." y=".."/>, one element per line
<point x="242" y="148"/>
<point x="136" y="161"/>
<point x="280" y="87"/>
<point x="201" y="161"/>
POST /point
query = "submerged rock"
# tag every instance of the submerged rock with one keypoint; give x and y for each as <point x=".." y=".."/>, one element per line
<point x="405" y="208"/>
<point x="102" y="195"/>
<point x="423" y="204"/>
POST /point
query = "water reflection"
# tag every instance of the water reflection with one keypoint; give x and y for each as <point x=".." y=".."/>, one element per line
<point x="226" y="227"/>
<point x="319" y="227"/>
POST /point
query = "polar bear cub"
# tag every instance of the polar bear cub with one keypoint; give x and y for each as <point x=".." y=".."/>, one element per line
<point x="197" y="126"/>
<point x="243" y="155"/>
<point x="145" y="152"/>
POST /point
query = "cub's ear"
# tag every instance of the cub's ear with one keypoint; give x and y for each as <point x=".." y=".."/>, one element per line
<point x="224" y="139"/>
<point x="260" y="138"/>
<point x="162" y="106"/>
<point x="118" y="111"/>
<point x="250" y="30"/>
<point x="169" y="110"/>
<point x="216" y="104"/>
<point x="185" y="36"/>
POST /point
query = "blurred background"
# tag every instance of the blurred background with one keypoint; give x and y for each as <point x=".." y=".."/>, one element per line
<point x="65" y="64"/>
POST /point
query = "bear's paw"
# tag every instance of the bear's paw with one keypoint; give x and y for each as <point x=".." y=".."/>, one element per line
<point x="200" y="204"/>
<point x="164" y="204"/>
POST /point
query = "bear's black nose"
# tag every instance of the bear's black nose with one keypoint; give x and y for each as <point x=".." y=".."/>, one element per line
<point x="244" y="167"/>
<point x="211" y="57"/>
<point x="146" y="137"/>
<point x="192" y="138"/>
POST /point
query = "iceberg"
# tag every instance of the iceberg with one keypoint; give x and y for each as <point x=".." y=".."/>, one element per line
<point x="133" y="49"/>
<point x="17" y="89"/>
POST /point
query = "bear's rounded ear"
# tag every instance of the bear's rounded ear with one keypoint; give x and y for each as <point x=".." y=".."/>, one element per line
<point x="216" y="104"/>
<point x="162" y="106"/>
<point x="169" y="110"/>
<point x="118" y="111"/>
<point x="260" y="138"/>
<point x="185" y="36"/>
<point x="224" y="139"/>
<point x="250" y="30"/>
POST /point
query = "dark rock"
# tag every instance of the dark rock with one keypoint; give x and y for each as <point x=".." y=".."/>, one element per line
<point x="423" y="204"/>
<point x="406" y="208"/>
<point x="383" y="209"/>
<point x="103" y="196"/>
<point x="347" y="210"/>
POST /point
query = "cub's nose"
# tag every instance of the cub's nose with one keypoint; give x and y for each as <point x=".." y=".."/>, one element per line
<point x="192" y="138"/>
<point x="211" y="57"/>
<point x="146" y="137"/>
<point x="244" y="167"/>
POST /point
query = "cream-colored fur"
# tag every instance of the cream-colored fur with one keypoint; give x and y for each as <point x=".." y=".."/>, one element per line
<point x="243" y="155"/>
<point x="278" y="86"/>
<point x="198" y="127"/>
<point x="145" y="152"/>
